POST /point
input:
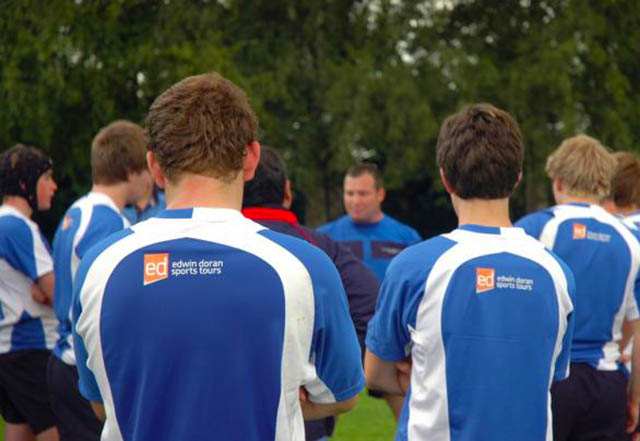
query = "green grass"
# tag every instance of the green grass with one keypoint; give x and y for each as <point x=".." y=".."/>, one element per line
<point x="370" y="420"/>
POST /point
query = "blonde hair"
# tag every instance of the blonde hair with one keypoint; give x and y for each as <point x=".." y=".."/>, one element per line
<point x="584" y="166"/>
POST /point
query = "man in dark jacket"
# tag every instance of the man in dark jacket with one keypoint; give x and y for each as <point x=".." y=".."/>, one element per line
<point x="267" y="199"/>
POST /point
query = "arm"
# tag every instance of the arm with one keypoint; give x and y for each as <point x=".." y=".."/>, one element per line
<point x="633" y="398"/>
<point x="627" y="333"/>
<point x="383" y="375"/>
<point x="42" y="290"/>
<point x="315" y="411"/>
<point x="98" y="409"/>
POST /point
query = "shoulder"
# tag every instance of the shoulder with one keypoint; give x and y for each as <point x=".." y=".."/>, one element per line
<point x="534" y="223"/>
<point x="335" y="224"/>
<point x="11" y="225"/>
<point x="419" y="258"/>
<point x="310" y="255"/>
<point x="407" y="233"/>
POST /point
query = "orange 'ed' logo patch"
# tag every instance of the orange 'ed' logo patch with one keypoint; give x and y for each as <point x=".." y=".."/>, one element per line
<point x="579" y="231"/>
<point x="156" y="267"/>
<point x="485" y="279"/>
<point x="66" y="222"/>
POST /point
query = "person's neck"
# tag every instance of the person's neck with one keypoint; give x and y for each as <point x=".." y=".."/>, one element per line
<point x="117" y="193"/>
<point x="193" y="190"/>
<point x="626" y="211"/>
<point x="485" y="212"/>
<point x="19" y="203"/>
<point x="569" y="199"/>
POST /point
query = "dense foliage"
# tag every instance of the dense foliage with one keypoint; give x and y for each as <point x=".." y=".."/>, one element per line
<point x="332" y="81"/>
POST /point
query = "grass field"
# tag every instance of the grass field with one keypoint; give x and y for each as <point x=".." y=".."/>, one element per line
<point x="371" y="420"/>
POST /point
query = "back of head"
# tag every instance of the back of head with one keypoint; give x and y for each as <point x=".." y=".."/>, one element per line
<point x="625" y="185"/>
<point x="367" y="168"/>
<point x="267" y="185"/>
<point x="584" y="166"/>
<point x="117" y="150"/>
<point x="20" y="168"/>
<point x="201" y="125"/>
<point x="481" y="151"/>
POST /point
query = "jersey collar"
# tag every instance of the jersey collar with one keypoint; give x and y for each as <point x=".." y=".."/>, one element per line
<point x="500" y="231"/>
<point x="201" y="213"/>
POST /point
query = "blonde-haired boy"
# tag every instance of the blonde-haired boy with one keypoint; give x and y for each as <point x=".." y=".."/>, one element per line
<point x="604" y="256"/>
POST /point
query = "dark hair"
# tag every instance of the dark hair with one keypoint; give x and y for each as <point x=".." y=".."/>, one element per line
<point x="481" y="152"/>
<point x="201" y="125"/>
<point x="20" y="168"/>
<point x="363" y="168"/>
<point x="267" y="185"/>
<point x="117" y="150"/>
<point x="625" y="185"/>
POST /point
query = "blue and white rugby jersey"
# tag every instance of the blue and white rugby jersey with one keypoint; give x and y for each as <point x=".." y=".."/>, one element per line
<point x="486" y="315"/>
<point x="634" y="219"/>
<point x="200" y="322"/>
<point x="24" y="258"/>
<point x="604" y="256"/>
<point x="90" y="219"/>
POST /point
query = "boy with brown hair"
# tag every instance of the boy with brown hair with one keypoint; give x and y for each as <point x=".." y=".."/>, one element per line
<point x="200" y="321"/>
<point x="483" y="315"/>
<point x="604" y="256"/>
<point x="120" y="176"/>
<point x="624" y="199"/>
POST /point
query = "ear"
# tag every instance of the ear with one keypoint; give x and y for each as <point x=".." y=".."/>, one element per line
<point x="445" y="182"/>
<point x="380" y="194"/>
<point x="156" y="171"/>
<point x="288" y="195"/>
<point x="251" y="160"/>
<point x="518" y="180"/>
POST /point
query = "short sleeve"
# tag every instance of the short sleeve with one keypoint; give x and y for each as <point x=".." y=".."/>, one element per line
<point x="402" y="290"/>
<point x="25" y="248"/>
<point x="534" y="223"/>
<point x="561" y="368"/>
<point x="86" y="380"/>
<point x="388" y="333"/>
<point x="104" y="222"/>
<point x="335" y="353"/>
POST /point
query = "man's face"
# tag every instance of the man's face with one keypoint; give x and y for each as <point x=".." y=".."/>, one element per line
<point x="362" y="199"/>
<point x="45" y="189"/>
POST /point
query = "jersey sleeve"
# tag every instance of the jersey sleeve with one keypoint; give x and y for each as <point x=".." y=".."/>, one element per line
<point x="334" y="353"/>
<point x="82" y="293"/>
<point x="87" y="383"/>
<point x="27" y="250"/>
<point x="534" y="223"/>
<point x="334" y="349"/>
<point x="631" y="308"/>
<point x="561" y="368"/>
<point x="388" y="334"/>
<point x="403" y="288"/>
<point x="414" y="237"/>
<point x="104" y="222"/>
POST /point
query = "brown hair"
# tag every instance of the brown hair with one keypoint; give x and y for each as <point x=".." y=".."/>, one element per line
<point x="364" y="168"/>
<point x="583" y="165"/>
<point x="201" y="125"/>
<point x="481" y="151"/>
<point x="625" y="185"/>
<point x="117" y="150"/>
